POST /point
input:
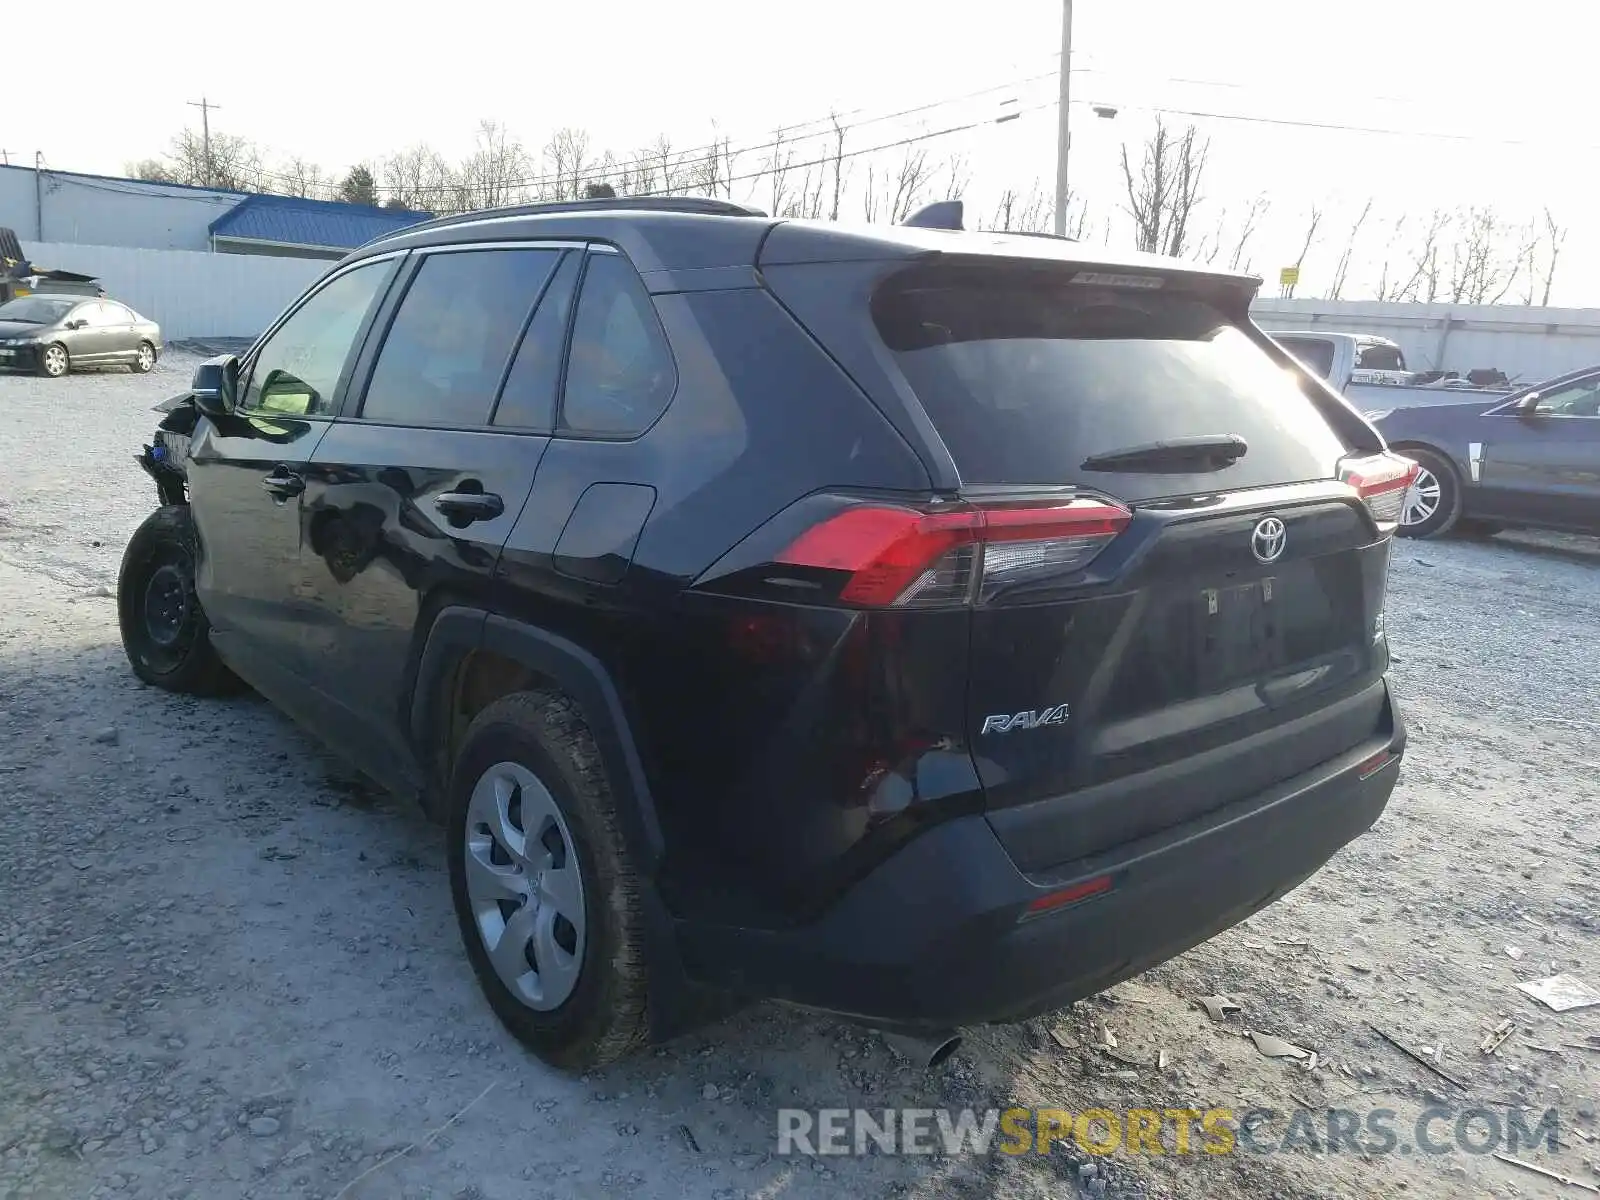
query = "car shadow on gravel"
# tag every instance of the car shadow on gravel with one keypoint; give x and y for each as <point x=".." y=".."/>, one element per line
<point x="265" y="978"/>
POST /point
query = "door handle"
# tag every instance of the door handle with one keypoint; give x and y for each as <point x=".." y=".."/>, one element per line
<point x="283" y="483"/>
<point x="463" y="508"/>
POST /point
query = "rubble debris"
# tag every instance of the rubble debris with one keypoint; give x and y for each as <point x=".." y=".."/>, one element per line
<point x="1562" y="993"/>
<point x="1418" y="1058"/>
<point x="1218" y="1007"/>
<point x="1565" y="1180"/>
<point x="1495" y="1038"/>
<point x="1276" y="1047"/>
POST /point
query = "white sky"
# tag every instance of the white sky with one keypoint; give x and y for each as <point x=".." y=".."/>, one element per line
<point x="337" y="82"/>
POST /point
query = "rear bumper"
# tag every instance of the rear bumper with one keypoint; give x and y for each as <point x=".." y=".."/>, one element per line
<point x="933" y="938"/>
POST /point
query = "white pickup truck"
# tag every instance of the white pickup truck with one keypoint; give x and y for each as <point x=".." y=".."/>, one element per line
<point x="1371" y="371"/>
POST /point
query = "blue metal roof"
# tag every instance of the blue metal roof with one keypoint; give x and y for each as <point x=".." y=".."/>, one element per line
<point x="291" y="221"/>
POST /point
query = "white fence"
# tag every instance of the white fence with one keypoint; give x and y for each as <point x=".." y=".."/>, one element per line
<point x="189" y="293"/>
<point x="1528" y="344"/>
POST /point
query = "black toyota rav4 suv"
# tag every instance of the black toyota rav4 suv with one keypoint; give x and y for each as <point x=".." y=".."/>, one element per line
<point x="925" y="626"/>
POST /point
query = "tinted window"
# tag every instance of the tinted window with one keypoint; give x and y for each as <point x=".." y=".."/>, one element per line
<point x="1575" y="400"/>
<point x="297" y="369"/>
<point x="1026" y="378"/>
<point x="448" y="346"/>
<point x="619" y="371"/>
<point x="35" y="310"/>
<point x="1380" y="358"/>
<point x="1314" y="353"/>
<point x="528" y="400"/>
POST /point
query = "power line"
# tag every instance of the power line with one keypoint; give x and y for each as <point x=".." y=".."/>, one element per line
<point x="1338" y="127"/>
<point x="734" y="151"/>
<point x="905" y="141"/>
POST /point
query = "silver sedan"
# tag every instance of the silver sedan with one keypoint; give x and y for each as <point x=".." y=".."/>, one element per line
<point x="55" y="334"/>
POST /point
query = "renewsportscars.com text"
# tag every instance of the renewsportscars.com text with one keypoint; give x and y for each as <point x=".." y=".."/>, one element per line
<point x="1376" y="1131"/>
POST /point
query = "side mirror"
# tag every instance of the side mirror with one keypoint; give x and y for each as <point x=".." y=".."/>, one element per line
<point x="1528" y="406"/>
<point x="77" y="323"/>
<point x="216" y="384"/>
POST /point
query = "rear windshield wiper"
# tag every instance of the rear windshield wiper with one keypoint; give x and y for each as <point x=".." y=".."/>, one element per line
<point x="1205" y="452"/>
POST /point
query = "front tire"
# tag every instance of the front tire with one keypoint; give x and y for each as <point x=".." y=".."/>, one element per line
<point x="144" y="359"/>
<point x="544" y="888"/>
<point x="54" y="362"/>
<point x="1432" y="503"/>
<point x="165" y="633"/>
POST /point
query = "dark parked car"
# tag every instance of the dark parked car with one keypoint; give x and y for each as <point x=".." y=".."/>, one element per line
<point x="54" y="334"/>
<point x="924" y="626"/>
<point x="1531" y="460"/>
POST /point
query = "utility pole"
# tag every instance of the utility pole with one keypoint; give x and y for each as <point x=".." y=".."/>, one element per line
<point x="1063" y="136"/>
<point x="38" y="195"/>
<point x="205" y="108"/>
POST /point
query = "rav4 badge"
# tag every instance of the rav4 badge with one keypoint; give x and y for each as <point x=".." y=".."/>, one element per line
<point x="1032" y="719"/>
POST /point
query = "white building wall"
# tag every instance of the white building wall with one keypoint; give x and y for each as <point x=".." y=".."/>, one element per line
<point x="189" y="293"/>
<point x="96" y="211"/>
<point x="1527" y="343"/>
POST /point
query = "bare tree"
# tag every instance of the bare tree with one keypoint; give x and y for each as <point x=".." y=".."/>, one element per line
<point x="779" y="158"/>
<point x="837" y="159"/>
<point x="421" y="180"/>
<point x="1486" y="257"/>
<point x="1162" y="199"/>
<point x="566" y="160"/>
<point x="905" y="186"/>
<point x="234" y="163"/>
<point x="1540" y="275"/>
<point x="1238" y="260"/>
<point x="1026" y="212"/>
<point x="1305" y="248"/>
<point x="1418" y="278"/>
<point x="302" y="178"/>
<point x="495" y="173"/>
<point x="958" y="177"/>
<point x="713" y="173"/>
<point x="1342" y="271"/>
<point x="660" y="170"/>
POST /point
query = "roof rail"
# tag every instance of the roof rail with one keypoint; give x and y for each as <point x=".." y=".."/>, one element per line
<point x="704" y="205"/>
<point x="1059" y="237"/>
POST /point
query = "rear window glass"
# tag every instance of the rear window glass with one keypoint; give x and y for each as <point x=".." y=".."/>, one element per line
<point x="1026" y="377"/>
<point x="1378" y="357"/>
<point x="1313" y="352"/>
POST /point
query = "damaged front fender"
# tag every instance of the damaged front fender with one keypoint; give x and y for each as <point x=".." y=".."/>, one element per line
<point x="164" y="457"/>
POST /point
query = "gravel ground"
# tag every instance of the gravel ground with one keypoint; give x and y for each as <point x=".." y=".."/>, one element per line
<point x="228" y="966"/>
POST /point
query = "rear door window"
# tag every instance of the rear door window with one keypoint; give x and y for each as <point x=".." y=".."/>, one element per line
<point x="1026" y="377"/>
<point x="451" y="340"/>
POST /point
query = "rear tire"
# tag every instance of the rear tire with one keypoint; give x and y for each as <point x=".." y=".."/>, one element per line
<point x="165" y="633"/>
<point x="1432" y="504"/>
<point x="537" y="855"/>
<point x="144" y="359"/>
<point x="54" y="361"/>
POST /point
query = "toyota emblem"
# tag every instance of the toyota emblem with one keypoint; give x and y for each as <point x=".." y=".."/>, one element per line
<point x="1267" y="542"/>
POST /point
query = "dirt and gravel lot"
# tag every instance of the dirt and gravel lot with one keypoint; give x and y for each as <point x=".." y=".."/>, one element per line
<point x="228" y="966"/>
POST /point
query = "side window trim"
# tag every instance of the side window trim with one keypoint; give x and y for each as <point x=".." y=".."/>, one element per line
<point x="247" y="364"/>
<point x="364" y="365"/>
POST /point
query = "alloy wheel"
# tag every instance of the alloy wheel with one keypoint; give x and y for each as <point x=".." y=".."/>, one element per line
<point x="1422" y="498"/>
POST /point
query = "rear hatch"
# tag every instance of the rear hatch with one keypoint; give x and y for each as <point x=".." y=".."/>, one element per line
<point x="1176" y="565"/>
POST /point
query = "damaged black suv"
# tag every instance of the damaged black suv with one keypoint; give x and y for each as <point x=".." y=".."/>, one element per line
<point x="925" y="626"/>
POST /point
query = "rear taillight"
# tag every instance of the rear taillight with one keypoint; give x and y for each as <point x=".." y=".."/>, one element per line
<point x="910" y="558"/>
<point x="1381" y="480"/>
